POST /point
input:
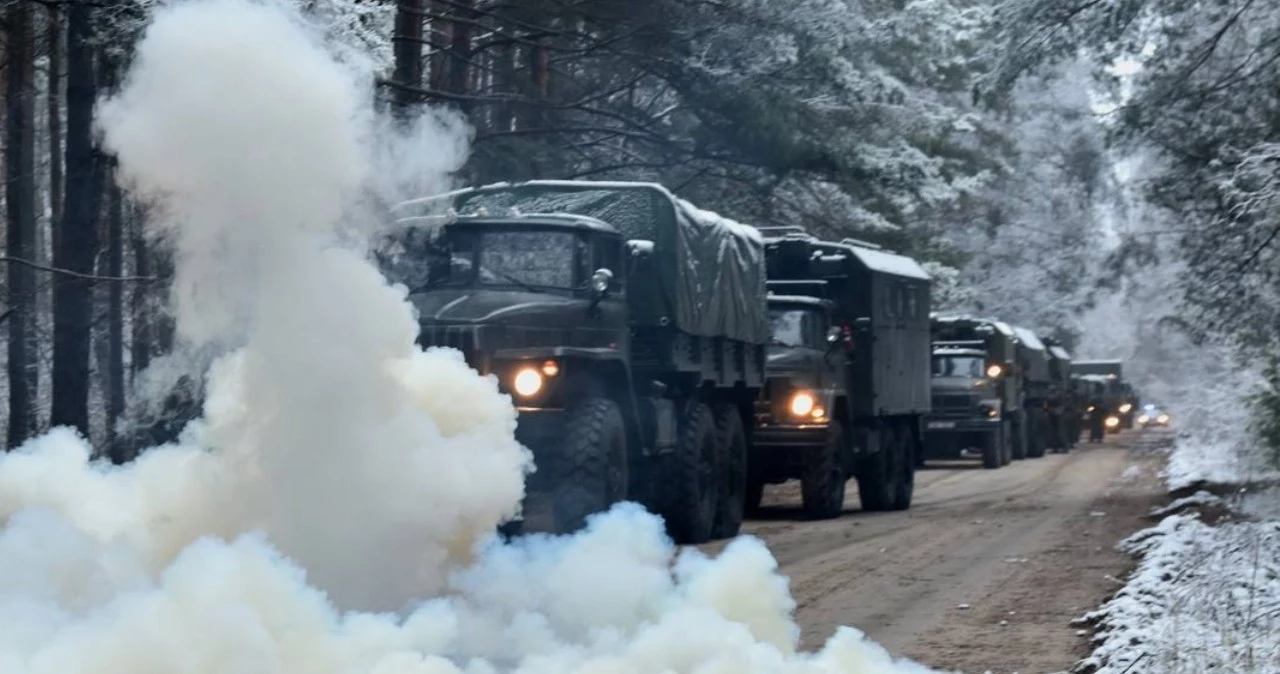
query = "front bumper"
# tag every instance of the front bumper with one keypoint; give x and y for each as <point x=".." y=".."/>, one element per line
<point x="781" y="437"/>
<point x="949" y="424"/>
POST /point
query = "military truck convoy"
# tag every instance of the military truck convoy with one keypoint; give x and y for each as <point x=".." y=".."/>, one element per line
<point x="663" y="354"/>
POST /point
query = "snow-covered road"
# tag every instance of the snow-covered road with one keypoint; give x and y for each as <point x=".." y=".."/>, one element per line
<point x="988" y="570"/>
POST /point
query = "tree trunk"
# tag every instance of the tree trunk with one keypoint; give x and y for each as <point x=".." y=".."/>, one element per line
<point x="53" y="38"/>
<point x="505" y="83"/>
<point x="408" y="54"/>
<point x="441" y="34"/>
<point x="538" y="87"/>
<point x="114" y="380"/>
<point x="115" y="318"/>
<point x="460" y="51"/>
<point x="164" y="325"/>
<point x="141" y="342"/>
<point x="20" y="200"/>
<point x="77" y="240"/>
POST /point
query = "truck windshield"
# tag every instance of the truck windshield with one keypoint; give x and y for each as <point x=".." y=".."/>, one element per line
<point x="796" y="327"/>
<point x="957" y="366"/>
<point x="528" y="258"/>
<point x="535" y="258"/>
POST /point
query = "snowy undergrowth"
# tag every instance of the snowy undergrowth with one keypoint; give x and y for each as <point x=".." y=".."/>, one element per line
<point x="1205" y="596"/>
<point x="1203" y="599"/>
<point x="1220" y="460"/>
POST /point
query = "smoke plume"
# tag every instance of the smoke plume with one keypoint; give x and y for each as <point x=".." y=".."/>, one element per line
<point x="332" y="511"/>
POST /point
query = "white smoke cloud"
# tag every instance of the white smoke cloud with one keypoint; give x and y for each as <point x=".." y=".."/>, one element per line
<point x="337" y="468"/>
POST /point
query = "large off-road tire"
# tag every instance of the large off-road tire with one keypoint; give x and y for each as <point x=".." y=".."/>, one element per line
<point x="1035" y="435"/>
<point x="1018" y="436"/>
<point x="589" y="472"/>
<point x="689" y="483"/>
<point x="731" y="504"/>
<point x="907" y="476"/>
<point x="1010" y="431"/>
<point x="993" y="449"/>
<point x="823" y="481"/>
<point x="879" y="474"/>
<point x="1007" y="433"/>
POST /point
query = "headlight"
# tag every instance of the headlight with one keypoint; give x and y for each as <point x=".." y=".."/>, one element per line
<point x="801" y="404"/>
<point x="1163" y="419"/>
<point x="1124" y="409"/>
<point x="1112" y="422"/>
<point x="527" y="382"/>
<point x="994" y="370"/>
<point x="1144" y="419"/>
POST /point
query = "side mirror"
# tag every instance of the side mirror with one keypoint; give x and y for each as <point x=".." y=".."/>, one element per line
<point x="639" y="253"/>
<point x="600" y="282"/>
<point x="834" y="336"/>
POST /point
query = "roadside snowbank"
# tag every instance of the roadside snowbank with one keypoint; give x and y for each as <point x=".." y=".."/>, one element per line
<point x="1203" y="599"/>
<point x="1205" y="596"/>
<point x="1201" y="459"/>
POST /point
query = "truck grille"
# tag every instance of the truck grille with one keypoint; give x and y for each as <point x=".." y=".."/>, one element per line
<point x="951" y="402"/>
<point x="455" y="337"/>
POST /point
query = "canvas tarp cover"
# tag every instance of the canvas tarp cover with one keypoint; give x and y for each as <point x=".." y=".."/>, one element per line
<point x="711" y="270"/>
<point x="1032" y="353"/>
<point x="1098" y="367"/>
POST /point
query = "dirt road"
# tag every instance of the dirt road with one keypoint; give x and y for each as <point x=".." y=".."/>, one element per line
<point x="988" y="568"/>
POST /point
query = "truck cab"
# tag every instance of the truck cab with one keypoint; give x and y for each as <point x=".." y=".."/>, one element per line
<point x="959" y="421"/>
<point x="1116" y="396"/>
<point x="800" y="414"/>
<point x="966" y="407"/>
<point x="515" y="294"/>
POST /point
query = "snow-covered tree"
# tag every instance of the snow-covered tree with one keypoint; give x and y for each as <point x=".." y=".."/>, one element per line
<point x="1033" y="241"/>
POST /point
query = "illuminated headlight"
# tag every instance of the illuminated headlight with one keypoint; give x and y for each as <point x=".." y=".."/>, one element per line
<point x="1143" y="419"/>
<point x="802" y="404"/>
<point x="527" y="382"/>
<point x="1124" y="409"/>
<point x="994" y="370"/>
<point x="1112" y="422"/>
<point x="1162" y="419"/>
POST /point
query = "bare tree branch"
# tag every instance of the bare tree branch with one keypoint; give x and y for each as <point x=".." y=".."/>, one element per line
<point x="68" y="272"/>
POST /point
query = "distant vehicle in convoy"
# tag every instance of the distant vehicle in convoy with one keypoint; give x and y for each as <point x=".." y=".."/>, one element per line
<point x="976" y="392"/>
<point x="847" y="373"/>
<point x="628" y="326"/>
<point x="1117" y="396"/>
<point x="1151" y="415"/>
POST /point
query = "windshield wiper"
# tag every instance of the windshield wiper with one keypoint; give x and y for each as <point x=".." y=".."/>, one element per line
<point x="512" y="279"/>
